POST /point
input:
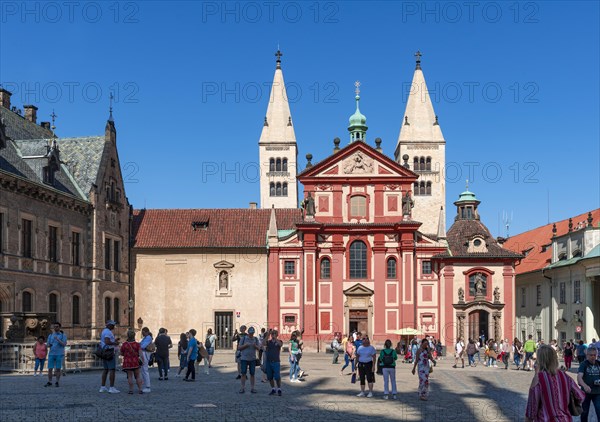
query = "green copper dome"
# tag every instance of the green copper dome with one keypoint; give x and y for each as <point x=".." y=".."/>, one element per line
<point x="357" y="119"/>
<point x="358" y="124"/>
<point x="467" y="196"/>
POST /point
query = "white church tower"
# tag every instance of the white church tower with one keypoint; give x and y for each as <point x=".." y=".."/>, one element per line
<point x="277" y="149"/>
<point x="422" y="148"/>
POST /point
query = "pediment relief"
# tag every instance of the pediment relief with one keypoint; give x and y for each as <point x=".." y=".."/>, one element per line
<point x="358" y="163"/>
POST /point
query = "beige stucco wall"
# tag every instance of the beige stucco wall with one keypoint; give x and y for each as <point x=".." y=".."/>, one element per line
<point x="179" y="290"/>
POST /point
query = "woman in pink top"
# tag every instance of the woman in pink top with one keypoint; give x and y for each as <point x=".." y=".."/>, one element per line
<point x="40" y="351"/>
<point x="550" y="390"/>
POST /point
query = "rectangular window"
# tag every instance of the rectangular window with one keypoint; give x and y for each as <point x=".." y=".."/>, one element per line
<point x="107" y="254"/>
<point x="53" y="303"/>
<point x="75" y="245"/>
<point x="538" y="290"/>
<point x="563" y="292"/>
<point x="563" y="338"/>
<point x="289" y="319"/>
<point x="577" y="291"/>
<point x="117" y="255"/>
<point x="358" y="206"/>
<point x="426" y="267"/>
<point x="107" y="313"/>
<point x="577" y="336"/>
<point x="116" y="309"/>
<point x="26" y="238"/>
<point x="52" y="243"/>
<point x="289" y="267"/>
<point x="523" y="297"/>
<point x="523" y="335"/>
<point x="75" y="311"/>
<point x="539" y="335"/>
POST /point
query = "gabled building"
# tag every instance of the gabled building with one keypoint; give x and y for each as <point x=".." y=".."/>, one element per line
<point x="478" y="277"/>
<point x="64" y="228"/>
<point x="557" y="284"/>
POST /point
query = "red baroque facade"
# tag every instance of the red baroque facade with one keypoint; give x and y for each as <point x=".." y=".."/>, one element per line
<point x="359" y="263"/>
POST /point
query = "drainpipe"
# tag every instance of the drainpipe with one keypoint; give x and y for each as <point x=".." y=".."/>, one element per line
<point x="415" y="275"/>
<point x="551" y="307"/>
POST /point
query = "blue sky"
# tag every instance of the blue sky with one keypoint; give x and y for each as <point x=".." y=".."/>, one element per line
<point x="516" y="88"/>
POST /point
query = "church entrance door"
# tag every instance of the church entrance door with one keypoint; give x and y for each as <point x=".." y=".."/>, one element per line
<point x="359" y="321"/>
<point x="479" y="325"/>
<point x="224" y="330"/>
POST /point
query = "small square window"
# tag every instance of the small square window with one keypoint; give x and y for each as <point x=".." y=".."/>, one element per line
<point x="426" y="267"/>
<point x="289" y="268"/>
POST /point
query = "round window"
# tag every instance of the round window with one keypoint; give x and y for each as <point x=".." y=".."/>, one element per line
<point x="477" y="242"/>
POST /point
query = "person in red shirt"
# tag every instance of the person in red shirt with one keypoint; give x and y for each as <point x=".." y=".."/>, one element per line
<point x="131" y="352"/>
<point x="40" y="351"/>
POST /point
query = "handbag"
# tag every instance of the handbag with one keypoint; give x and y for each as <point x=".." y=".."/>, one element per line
<point x="575" y="405"/>
<point x="379" y="366"/>
<point x="151" y="348"/>
<point x="203" y="352"/>
<point x="353" y="378"/>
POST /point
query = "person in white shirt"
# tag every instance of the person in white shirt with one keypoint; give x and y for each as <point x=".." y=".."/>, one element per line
<point x="460" y="347"/>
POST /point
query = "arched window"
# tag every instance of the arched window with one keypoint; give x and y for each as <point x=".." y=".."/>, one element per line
<point x="416" y="164"/>
<point x="271" y="164"/>
<point x="325" y="268"/>
<point x="422" y="190"/>
<point x="116" y="309"/>
<point x="422" y="163"/>
<point x="27" y="302"/>
<point x="358" y="206"/>
<point x="107" y="313"/>
<point x="75" y="310"/>
<point x="428" y="164"/>
<point x="284" y="191"/>
<point x="278" y="189"/>
<point x="391" y="268"/>
<point x="272" y="189"/>
<point x="428" y="188"/>
<point x="53" y="303"/>
<point x="284" y="165"/>
<point x="358" y="259"/>
<point x="278" y="164"/>
<point x="416" y="188"/>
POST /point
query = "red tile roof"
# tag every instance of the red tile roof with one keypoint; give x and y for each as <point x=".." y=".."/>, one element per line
<point x="227" y="228"/>
<point x="536" y="243"/>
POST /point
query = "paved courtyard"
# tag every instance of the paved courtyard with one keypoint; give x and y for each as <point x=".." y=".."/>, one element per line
<point x="470" y="394"/>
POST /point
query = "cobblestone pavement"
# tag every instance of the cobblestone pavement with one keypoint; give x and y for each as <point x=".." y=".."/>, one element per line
<point x="470" y="394"/>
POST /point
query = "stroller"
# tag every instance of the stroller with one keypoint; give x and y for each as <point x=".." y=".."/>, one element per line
<point x="408" y="358"/>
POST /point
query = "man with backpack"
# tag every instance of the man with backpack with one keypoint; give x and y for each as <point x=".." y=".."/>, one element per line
<point x="588" y="378"/>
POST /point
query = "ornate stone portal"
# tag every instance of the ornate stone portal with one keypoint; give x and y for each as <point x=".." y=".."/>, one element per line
<point x="358" y="309"/>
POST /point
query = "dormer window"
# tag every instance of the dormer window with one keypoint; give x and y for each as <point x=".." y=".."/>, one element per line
<point x="197" y="225"/>
<point x="48" y="175"/>
<point x="477" y="245"/>
<point x="577" y="253"/>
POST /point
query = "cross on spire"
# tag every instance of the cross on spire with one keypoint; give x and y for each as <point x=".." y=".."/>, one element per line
<point x="110" y="108"/>
<point x="53" y="116"/>
<point x="278" y="55"/>
<point x="357" y="85"/>
<point x="467" y="184"/>
<point x="418" y="55"/>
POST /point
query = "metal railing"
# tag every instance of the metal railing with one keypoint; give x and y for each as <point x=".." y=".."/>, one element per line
<point x="19" y="357"/>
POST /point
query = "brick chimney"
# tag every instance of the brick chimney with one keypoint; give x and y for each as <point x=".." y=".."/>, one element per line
<point x="5" y="98"/>
<point x="253" y="205"/>
<point x="31" y="113"/>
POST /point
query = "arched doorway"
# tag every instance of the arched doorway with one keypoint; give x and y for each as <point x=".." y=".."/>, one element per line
<point x="478" y="324"/>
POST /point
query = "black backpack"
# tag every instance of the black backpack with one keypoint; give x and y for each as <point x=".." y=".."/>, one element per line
<point x="388" y="358"/>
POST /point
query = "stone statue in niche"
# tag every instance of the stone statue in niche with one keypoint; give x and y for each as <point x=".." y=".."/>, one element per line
<point x="497" y="294"/>
<point x="407" y="204"/>
<point x="223" y="281"/>
<point x="461" y="294"/>
<point x="479" y="284"/>
<point x="309" y="205"/>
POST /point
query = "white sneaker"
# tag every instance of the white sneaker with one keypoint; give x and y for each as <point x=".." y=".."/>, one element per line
<point x="146" y="390"/>
<point x="361" y="394"/>
<point x="103" y="389"/>
<point x="385" y="396"/>
<point x="395" y="397"/>
<point x="113" y="390"/>
<point x="206" y="372"/>
<point x="370" y="395"/>
<point x="34" y="374"/>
